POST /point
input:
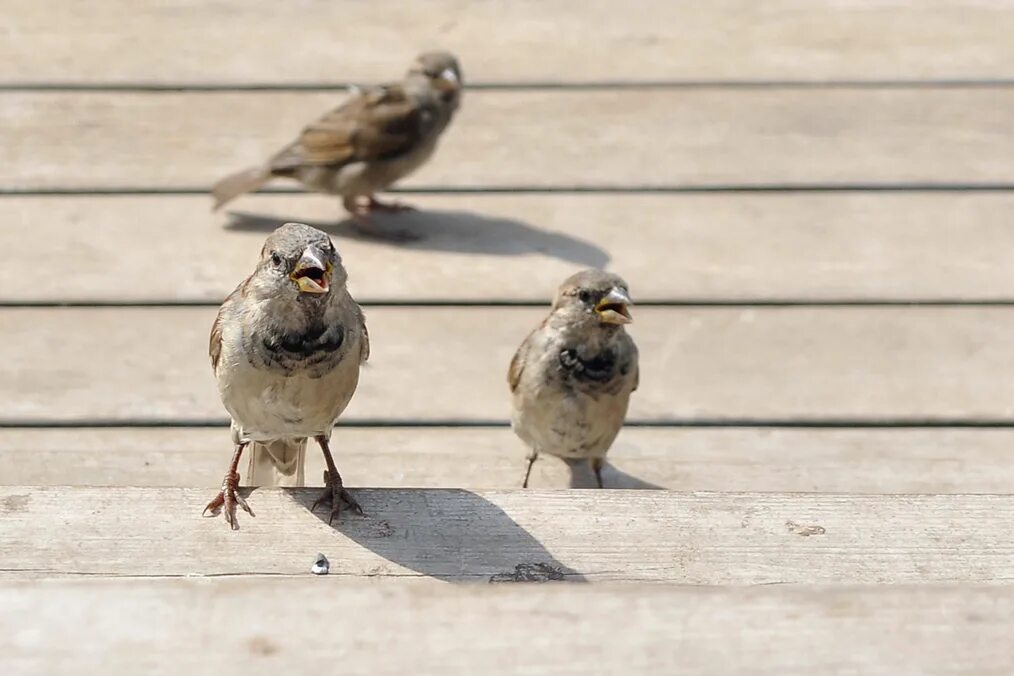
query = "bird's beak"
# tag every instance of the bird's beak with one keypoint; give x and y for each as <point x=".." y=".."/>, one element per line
<point x="612" y="309"/>
<point x="312" y="274"/>
<point x="448" y="80"/>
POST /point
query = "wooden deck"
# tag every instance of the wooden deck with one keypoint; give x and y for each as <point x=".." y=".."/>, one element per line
<point x="811" y="200"/>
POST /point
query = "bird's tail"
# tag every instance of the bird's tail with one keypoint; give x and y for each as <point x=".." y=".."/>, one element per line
<point x="277" y="463"/>
<point x="234" y="185"/>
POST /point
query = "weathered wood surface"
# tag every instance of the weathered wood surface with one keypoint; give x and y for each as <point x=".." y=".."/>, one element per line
<point x="644" y="40"/>
<point x="763" y="460"/>
<point x="645" y="137"/>
<point x="921" y="246"/>
<point x="866" y="523"/>
<point x="220" y="626"/>
<point x="450" y="363"/>
<point x="458" y="535"/>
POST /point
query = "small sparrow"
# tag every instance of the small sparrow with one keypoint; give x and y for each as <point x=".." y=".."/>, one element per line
<point x="572" y="377"/>
<point x="286" y="349"/>
<point x="377" y="137"/>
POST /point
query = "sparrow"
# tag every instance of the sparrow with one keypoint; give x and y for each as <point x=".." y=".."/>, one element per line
<point x="572" y="377"/>
<point x="377" y="137"/>
<point x="286" y="348"/>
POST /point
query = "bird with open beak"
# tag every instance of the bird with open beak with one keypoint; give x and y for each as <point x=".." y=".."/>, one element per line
<point x="377" y="137"/>
<point x="571" y="379"/>
<point x="286" y="348"/>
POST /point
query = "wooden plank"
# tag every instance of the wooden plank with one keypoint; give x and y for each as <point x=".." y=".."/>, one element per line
<point x="764" y="460"/>
<point x="703" y="247"/>
<point x="449" y="363"/>
<point x="460" y="535"/>
<point x="642" y="40"/>
<point x="106" y="626"/>
<point x="531" y="138"/>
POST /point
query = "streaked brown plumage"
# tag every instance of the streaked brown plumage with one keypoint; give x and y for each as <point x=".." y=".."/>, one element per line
<point x="286" y="348"/>
<point x="571" y="379"/>
<point x="377" y="137"/>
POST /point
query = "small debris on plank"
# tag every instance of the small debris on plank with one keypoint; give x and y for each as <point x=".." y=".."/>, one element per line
<point x="321" y="566"/>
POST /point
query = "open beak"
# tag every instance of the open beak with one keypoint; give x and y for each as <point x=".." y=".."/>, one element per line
<point x="312" y="274"/>
<point x="613" y="308"/>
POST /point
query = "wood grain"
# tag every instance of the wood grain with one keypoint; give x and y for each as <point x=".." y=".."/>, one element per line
<point x="450" y="363"/>
<point x="459" y="535"/>
<point x="763" y="460"/>
<point x="643" y="40"/>
<point x="134" y="626"/>
<point x="546" y="139"/>
<point x="912" y="246"/>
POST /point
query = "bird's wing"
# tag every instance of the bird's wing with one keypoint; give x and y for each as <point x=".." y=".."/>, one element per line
<point x="380" y="123"/>
<point x="517" y="366"/>
<point x="215" y="342"/>
<point x="637" y="367"/>
<point x="364" y="349"/>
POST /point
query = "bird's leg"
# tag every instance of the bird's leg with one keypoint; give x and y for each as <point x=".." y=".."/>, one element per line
<point x="366" y="226"/>
<point x="229" y="497"/>
<point x="334" y="494"/>
<point x="597" y="464"/>
<point x="532" y="457"/>
<point x="376" y="205"/>
<point x="360" y="217"/>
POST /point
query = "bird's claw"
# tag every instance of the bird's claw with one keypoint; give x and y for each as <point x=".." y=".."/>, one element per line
<point x="391" y="207"/>
<point x="226" y="501"/>
<point x="334" y="495"/>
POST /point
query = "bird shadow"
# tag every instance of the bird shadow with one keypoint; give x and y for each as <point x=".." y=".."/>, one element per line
<point x="452" y="231"/>
<point x="448" y="534"/>
<point x="582" y="476"/>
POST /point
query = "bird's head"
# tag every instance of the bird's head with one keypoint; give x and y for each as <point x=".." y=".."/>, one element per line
<point x="594" y="296"/>
<point x="299" y="263"/>
<point x="442" y="72"/>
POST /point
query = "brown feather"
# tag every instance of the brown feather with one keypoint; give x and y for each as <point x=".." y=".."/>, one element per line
<point x="376" y="124"/>
<point x="215" y="341"/>
<point x="234" y="185"/>
<point x="364" y="350"/>
<point x="516" y="369"/>
<point x="517" y="366"/>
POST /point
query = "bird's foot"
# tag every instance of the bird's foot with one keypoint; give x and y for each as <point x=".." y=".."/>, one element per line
<point x="393" y="207"/>
<point x="226" y="501"/>
<point x="334" y="495"/>
<point x="366" y="227"/>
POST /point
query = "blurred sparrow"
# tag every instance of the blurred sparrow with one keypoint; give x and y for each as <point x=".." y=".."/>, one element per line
<point x="286" y="349"/>
<point x="377" y="137"/>
<point x="572" y="377"/>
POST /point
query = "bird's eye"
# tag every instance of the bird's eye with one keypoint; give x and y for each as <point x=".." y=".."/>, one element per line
<point x="585" y="296"/>
<point x="275" y="258"/>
